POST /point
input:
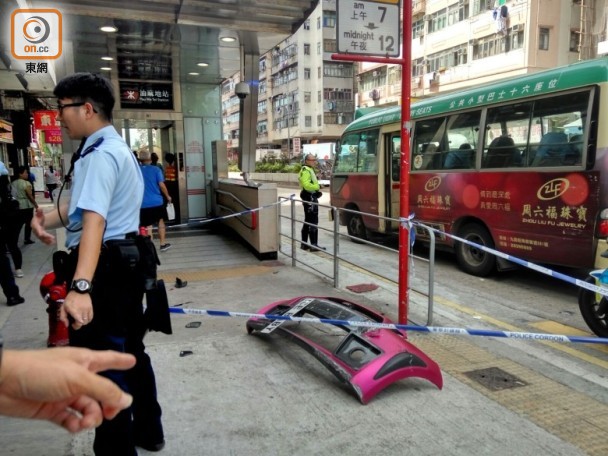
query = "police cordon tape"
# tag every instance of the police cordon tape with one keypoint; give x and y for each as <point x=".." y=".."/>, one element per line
<point x="408" y="222"/>
<point x="428" y="329"/>
<point x="235" y="214"/>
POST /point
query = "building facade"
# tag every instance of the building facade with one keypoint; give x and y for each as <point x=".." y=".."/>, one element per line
<point x="303" y="96"/>
<point x="306" y="97"/>
<point x="462" y="43"/>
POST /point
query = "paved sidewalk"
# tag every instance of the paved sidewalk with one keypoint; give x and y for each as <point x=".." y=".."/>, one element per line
<point x="240" y="395"/>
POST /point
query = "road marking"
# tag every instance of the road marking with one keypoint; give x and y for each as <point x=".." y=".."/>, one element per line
<point x="554" y="327"/>
<point x="498" y="323"/>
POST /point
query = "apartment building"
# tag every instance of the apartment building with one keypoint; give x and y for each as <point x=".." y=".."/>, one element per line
<point x="303" y="96"/>
<point x="460" y="43"/>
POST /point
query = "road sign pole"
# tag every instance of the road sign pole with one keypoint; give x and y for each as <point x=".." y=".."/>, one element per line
<point x="381" y="38"/>
<point x="404" y="188"/>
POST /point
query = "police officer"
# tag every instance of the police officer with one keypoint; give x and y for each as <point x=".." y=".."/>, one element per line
<point x="104" y="304"/>
<point x="310" y="194"/>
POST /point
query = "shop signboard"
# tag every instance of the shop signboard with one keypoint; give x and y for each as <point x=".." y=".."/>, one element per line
<point x="53" y="137"/>
<point x="46" y="120"/>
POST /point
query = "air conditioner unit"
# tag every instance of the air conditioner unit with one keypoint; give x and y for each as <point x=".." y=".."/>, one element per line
<point x="375" y="73"/>
<point x="515" y="28"/>
<point x="426" y="17"/>
<point x="340" y="66"/>
<point x="472" y="42"/>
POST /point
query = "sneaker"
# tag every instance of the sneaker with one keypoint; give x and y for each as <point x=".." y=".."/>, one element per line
<point x="28" y="242"/>
<point x="14" y="300"/>
<point x="165" y="247"/>
<point x="18" y="273"/>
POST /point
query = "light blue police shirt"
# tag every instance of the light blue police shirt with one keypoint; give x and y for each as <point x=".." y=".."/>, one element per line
<point x="107" y="180"/>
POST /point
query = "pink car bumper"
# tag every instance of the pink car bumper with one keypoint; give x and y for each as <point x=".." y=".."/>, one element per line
<point x="367" y="360"/>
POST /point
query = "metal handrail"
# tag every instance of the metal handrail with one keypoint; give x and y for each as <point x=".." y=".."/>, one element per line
<point x="337" y="258"/>
<point x="254" y="215"/>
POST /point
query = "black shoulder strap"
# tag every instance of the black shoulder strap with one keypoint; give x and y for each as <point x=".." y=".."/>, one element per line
<point x="82" y="153"/>
<point x="77" y="155"/>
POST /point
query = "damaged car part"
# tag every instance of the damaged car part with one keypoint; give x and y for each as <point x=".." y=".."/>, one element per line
<point x="366" y="360"/>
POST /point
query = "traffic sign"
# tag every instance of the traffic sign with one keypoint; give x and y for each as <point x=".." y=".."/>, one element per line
<point x="369" y="28"/>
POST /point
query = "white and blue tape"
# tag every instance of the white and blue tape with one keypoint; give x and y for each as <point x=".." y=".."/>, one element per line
<point x="428" y="329"/>
<point x="558" y="275"/>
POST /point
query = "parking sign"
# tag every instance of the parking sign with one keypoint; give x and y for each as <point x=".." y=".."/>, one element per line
<point x="369" y="27"/>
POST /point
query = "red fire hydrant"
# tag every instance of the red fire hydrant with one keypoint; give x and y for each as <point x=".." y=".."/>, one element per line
<point x="54" y="294"/>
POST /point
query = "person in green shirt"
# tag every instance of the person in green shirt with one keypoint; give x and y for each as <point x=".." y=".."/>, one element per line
<point x="310" y="195"/>
<point x="23" y="192"/>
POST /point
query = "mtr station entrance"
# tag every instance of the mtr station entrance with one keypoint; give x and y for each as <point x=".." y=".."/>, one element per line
<point x="166" y="60"/>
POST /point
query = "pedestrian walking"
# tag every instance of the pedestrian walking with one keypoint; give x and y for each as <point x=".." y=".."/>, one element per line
<point x="21" y="189"/>
<point x="153" y="210"/>
<point x="51" y="179"/>
<point x="104" y="305"/>
<point x="155" y="162"/>
<point x="24" y="193"/>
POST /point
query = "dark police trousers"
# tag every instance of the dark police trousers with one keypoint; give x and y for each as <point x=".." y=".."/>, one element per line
<point x="118" y="324"/>
<point x="311" y="217"/>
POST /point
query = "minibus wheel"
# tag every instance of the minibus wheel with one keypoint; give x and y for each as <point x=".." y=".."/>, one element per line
<point x="356" y="228"/>
<point x="471" y="259"/>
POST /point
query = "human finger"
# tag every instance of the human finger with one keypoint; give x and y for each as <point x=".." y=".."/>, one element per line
<point x="83" y="413"/>
<point x="47" y="238"/>
<point x="43" y="235"/>
<point x="106" y="392"/>
<point x="63" y="316"/>
<point x="108" y="359"/>
<point x="112" y="399"/>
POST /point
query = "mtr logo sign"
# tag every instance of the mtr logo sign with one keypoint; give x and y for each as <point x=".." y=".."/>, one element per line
<point x="36" y="34"/>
